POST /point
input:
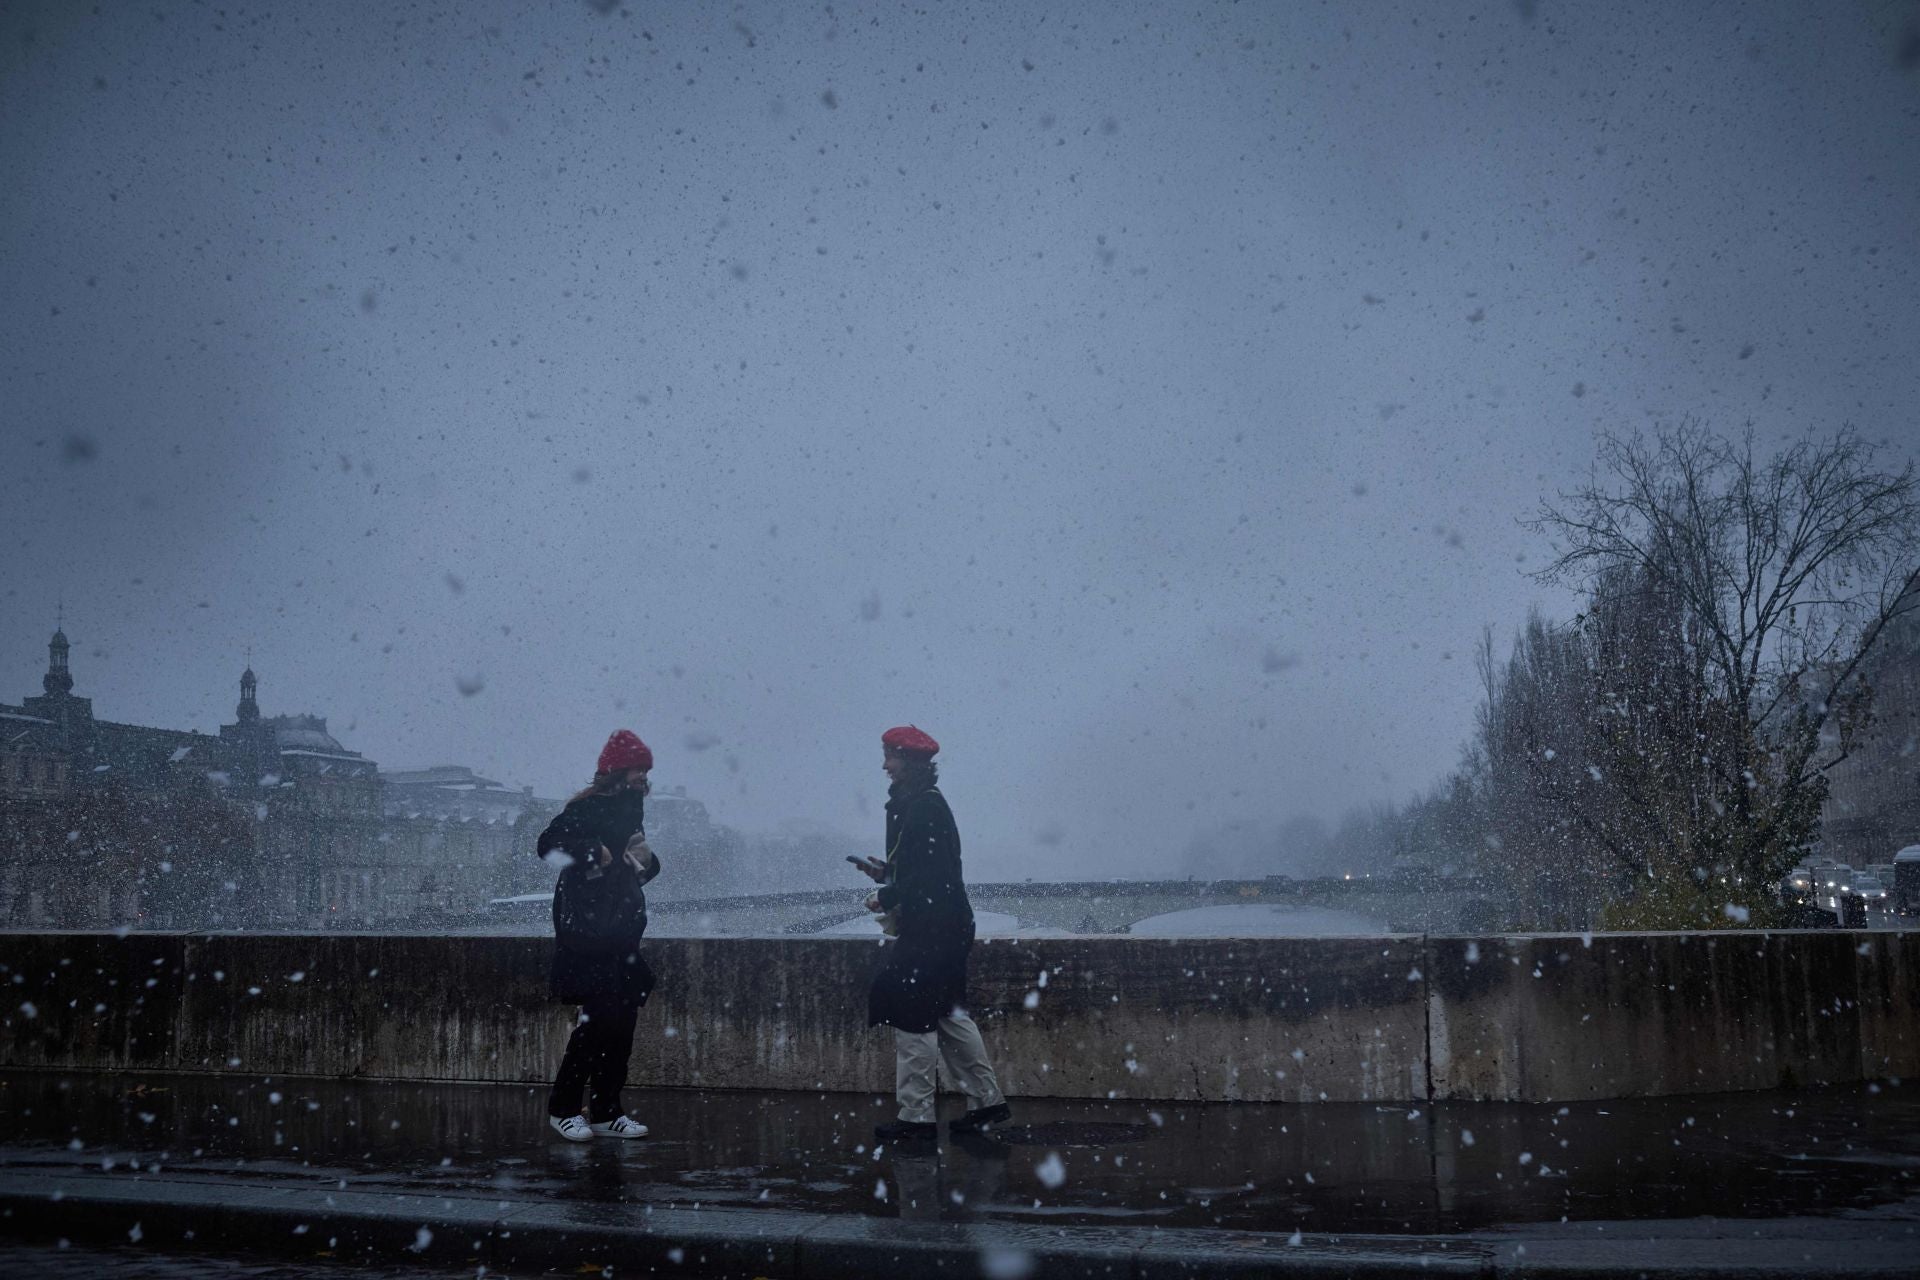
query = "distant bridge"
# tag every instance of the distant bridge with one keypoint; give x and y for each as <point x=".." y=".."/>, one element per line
<point x="1398" y="904"/>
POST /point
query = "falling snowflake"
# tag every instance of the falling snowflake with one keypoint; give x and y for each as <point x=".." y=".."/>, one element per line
<point x="1006" y="1264"/>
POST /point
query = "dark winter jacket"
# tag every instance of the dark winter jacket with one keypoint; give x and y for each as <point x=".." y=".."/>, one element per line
<point x="599" y="917"/>
<point x="925" y="973"/>
<point x="924" y="889"/>
<point x="590" y="821"/>
<point x="599" y="913"/>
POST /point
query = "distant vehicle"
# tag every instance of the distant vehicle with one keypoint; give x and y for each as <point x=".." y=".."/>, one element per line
<point x="1836" y="883"/>
<point x="1804" y="915"/>
<point x="1852" y="910"/>
<point x="1906" y="881"/>
<point x="1870" y="890"/>
<point x="1797" y="888"/>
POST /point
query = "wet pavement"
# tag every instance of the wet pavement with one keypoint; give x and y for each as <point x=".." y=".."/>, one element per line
<point x="81" y="1262"/>
<point x="1329" y="1168"/>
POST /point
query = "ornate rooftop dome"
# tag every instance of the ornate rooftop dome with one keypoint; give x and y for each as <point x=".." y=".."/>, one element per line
<point x="304" y="733"/>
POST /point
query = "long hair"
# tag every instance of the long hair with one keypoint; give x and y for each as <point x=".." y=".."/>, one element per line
<point x="605" y="784"/>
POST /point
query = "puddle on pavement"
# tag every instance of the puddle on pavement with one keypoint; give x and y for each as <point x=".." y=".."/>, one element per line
<point x="1331" y="1167"/>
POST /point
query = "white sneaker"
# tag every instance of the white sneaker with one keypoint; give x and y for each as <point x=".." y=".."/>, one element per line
<point x="619" y="1127"/>
<point x="572" y="1128"/>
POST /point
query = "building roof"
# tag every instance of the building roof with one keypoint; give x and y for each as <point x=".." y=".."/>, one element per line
<point x="22" y="732"/>
<point x="444" y="776"/>
<point x="304" y="733"/>
<point x="147" y="753"/>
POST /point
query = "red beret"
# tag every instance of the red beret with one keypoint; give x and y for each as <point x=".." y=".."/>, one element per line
<point x="625" y="751"/>
<point x="908" y="738"/>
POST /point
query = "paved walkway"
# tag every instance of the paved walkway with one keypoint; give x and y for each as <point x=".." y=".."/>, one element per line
<point x="1823" y="1177"/>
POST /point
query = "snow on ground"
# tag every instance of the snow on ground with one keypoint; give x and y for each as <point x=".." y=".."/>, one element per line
<point x="1254" y="920"/>
<point x="733" y="924"/>
<point x="1257" y="920"/>
<point x="986" y="924"/>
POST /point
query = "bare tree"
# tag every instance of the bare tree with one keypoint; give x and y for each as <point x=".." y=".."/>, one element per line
<point x="1781" y="574"/>
<point x="1550" y="830"/>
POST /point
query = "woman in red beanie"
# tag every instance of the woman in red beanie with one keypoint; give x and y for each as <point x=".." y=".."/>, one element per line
<point x="599" y="917"/>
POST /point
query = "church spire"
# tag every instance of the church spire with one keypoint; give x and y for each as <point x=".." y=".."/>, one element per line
<point x="58" y="680"/>
<point x="249" y="709"/>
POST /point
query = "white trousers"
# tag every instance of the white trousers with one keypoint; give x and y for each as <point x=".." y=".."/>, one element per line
<point x="916" y="1056"/>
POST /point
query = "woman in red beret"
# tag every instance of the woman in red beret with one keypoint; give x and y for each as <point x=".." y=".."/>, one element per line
<point x="599" y="917"/>
<point x="921" y="992"/>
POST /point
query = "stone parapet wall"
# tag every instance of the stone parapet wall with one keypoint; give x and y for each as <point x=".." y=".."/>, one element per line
<point x="1402" y="1018"/>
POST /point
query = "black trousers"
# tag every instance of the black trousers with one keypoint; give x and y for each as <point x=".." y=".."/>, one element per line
<point x="594" y="1069"/>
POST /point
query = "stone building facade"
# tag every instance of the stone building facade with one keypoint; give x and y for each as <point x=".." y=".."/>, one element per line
<point x="472" y="836"/>
<point x="271" y="822"/>
<point x="1873" y="808"/>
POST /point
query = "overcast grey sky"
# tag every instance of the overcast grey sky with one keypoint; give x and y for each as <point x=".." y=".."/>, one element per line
<point x="1139" y="399"/>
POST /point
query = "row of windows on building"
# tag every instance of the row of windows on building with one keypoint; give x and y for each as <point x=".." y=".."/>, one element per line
<point x="324" y="799"/>
<point x="22" y="772"/>
<point x="358" y="893"/>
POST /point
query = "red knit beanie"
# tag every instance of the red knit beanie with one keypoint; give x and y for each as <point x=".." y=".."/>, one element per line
<point x="911" y="740"/>
<point x="625" y="751"/>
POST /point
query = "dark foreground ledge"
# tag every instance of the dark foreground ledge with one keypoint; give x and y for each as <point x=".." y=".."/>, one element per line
<point x="445" y="1232"/>
<point x="452" y="1232"/>
<point x="1404" y="1018"/>
<point x="453" y="1177"/>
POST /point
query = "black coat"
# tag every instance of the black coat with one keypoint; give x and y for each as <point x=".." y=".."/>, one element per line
<point x="599" y="917"/>
<point x="925" y="973"/>
<point x="593" y="820"/>
<point x="599" y="913"/>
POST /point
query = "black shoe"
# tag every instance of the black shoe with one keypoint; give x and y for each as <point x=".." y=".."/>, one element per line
<point x="980" y="1119"/>
<point x="906" y="1131"/>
